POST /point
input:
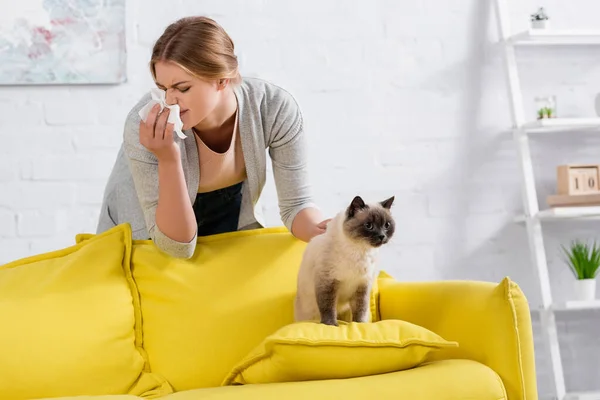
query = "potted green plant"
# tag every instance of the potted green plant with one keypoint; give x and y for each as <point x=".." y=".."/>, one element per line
<point x="541" y="113"/>
<point x="545" y="112"/>
<point x="545" y="106"/>
<point x="584" y="262"/>
<point x="539" y="19"/>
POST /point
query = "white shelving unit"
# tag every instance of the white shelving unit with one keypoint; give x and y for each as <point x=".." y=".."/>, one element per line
<point x="577" y="305"/>
<point x="548" y="37"/>
<point x="562" y="213"/>
<point x="582" y="396"/>
<point x="561" y="125"/>
<point x="533" y="216"/>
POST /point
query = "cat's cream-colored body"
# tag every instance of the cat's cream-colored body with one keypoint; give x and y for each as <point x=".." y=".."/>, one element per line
<point x="333" y="255"/>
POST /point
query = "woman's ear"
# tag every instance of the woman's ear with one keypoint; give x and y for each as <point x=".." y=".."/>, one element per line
<point x="222" y="84"/>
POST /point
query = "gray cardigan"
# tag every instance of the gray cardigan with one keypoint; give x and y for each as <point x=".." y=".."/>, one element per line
<point x="269" y="118"/>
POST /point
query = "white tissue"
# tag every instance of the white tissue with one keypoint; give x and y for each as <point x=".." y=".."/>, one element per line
<point x="158" y="97"/>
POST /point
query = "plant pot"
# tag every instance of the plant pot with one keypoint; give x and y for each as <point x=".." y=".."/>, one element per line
<point x="540" y="24"/>
<point x="585" y="289"/>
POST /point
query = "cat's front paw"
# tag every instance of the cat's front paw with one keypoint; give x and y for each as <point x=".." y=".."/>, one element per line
<point x="360" y="317"/>
<point x="329" y="321"/>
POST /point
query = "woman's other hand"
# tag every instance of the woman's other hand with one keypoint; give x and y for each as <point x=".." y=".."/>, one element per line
<point x="309" y="223"/>
<point x="322" y="226"/>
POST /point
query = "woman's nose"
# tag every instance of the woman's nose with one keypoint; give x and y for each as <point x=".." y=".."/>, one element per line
<point x="170" y="98"/>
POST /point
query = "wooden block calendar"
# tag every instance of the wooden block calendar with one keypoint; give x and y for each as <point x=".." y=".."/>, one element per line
<point x="576" y="185"/>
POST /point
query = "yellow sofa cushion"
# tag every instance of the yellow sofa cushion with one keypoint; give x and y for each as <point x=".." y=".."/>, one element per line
<point x="312" y="351"/>
<point x="69" y="326"/>
<point x="441" y="380"/>
<point x="203" y="315"/>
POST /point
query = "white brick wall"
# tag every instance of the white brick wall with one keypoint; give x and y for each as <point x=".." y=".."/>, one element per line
<point x="399" y="97"/>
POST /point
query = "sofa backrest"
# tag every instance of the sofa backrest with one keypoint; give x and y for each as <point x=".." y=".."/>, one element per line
<point x="203" y="315"/>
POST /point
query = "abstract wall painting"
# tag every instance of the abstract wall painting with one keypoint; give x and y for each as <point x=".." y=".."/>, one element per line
<point x="46" y="42"/>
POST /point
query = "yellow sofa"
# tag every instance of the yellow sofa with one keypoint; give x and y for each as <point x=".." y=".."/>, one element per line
<point x="111" y="318"/>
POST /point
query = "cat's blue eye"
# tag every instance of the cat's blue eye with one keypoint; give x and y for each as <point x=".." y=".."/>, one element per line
<point x="387" y="225"/>
<point x="369" y="225"/>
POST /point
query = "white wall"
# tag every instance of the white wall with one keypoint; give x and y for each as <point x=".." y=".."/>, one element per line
<point x="400" y="97"/>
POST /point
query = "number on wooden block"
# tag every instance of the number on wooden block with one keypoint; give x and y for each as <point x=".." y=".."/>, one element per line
<point x="577" y="179"/>
<point x="583" y="180"/>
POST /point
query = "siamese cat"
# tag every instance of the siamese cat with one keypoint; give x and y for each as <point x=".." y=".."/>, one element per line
<point x="338" y="266"/>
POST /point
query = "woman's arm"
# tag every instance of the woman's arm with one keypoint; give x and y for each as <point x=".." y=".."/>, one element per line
<point x="287" y="148"/>
<point x="161" y="189"/>
<point x="174" y="213"/>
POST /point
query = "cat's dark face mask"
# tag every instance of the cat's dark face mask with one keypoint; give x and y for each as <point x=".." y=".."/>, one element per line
<point x="373" y="224"/>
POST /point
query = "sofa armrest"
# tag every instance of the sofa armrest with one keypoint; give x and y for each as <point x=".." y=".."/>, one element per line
<point x="491" y="322"/>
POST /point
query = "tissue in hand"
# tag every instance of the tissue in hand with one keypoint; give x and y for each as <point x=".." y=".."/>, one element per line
<point x="158" y="97"/>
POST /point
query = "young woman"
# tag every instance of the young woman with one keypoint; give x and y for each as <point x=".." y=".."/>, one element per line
<point x="173" y="190"/>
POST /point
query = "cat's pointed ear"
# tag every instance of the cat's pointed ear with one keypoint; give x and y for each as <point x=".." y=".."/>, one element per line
<point x="357" y="204"/>
<point x="387" y="203"/>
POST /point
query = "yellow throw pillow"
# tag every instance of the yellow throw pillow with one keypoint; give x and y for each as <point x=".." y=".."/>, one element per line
<point x="69" y="326"/>
<point x="312" y="351"/>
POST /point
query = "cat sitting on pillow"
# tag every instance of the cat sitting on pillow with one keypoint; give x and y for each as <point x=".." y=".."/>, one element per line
<point x="338" y="267"/>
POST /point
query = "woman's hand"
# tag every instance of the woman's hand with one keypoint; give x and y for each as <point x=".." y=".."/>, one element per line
<point x="322" y="226"/>
<point x="157" y="135"/>
<point x="309" y="223"/>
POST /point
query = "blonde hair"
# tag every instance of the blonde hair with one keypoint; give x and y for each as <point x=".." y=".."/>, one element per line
<point x="200" y="46"/>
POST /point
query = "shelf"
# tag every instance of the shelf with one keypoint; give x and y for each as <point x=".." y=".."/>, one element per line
<point x="572" y="305"/>
<point x="560" y="213"/>
<point x="583" y="396"/>
<point x="552" y="37"/>
<point x="577" y="305"/>
<point x="569" y="213"/>
<point x="548" y="125"/>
